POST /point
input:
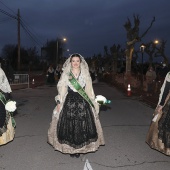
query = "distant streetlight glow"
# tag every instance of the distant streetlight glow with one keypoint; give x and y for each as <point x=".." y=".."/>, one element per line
<point x="142" y="48"/>
<point x="156" y="41"/>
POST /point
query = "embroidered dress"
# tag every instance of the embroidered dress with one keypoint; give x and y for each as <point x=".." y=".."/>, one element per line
<point x="76" y="127"/>
<point x="7" y="131"/>
<point x="158" y="136"/>
<point x="50" y="76"/>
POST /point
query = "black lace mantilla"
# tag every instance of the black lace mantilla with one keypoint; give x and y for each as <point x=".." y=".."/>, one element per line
<point x="76" y="126"/>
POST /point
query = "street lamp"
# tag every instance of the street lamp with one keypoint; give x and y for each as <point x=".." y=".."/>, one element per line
<point x="59" y="40"/>
<point x="142" y="49"/>
<point x="156" y="42"/>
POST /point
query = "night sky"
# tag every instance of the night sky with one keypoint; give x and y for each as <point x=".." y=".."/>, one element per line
<point x="88" y="25"/>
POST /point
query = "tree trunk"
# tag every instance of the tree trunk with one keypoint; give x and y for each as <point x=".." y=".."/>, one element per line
<point x="114" y="66"/>
<point x="129" y="54"/>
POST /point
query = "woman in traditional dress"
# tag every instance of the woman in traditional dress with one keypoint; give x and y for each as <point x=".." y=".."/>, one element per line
<point x="58" y="72"/>
<point x="7" y="130"/>
<point x="150" y="80"/>
<point x="75" y="126"/>
<point x="50" y="75"/>
<point x="158" y="136"/>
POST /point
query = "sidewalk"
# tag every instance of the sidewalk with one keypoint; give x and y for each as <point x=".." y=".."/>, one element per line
<point x="150" y="100"/>
<point x="137" y="92"/>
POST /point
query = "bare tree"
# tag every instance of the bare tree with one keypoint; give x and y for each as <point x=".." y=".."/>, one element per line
<point x="133" y="37"/>
<point x="161" y="51"/>
<point x="7" y="51"/>
<point x="105" y="50"/>
<point x="115" y="50"/>
<point x="150" y="49"/>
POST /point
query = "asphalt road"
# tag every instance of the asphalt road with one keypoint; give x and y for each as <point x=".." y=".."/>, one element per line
<point x="125" y="124"/>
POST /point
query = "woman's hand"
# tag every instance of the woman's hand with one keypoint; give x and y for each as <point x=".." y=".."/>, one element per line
<point x="159" y="108"/>
<point x="58" y="107"/>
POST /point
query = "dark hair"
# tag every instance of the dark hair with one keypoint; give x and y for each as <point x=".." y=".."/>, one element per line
<point x="75" y="55"/>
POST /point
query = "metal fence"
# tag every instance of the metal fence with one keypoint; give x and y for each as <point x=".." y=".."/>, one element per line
<point x="20" y="79"/>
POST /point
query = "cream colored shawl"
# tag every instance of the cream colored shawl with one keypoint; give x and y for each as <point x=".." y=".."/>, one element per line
<point x="63" y="83"/>
<point x="4" y="84"/>
<point x="167" y="78"/>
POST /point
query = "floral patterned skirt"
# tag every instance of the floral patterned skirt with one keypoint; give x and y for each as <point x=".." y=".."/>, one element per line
<point x="158" y="136"/>
<point x="76" y="126"/>
<point x="7" y="131"/>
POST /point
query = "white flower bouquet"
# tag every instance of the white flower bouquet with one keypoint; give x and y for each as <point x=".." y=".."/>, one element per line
<point x="10" y="106"/>
<point x="102" y="100"/>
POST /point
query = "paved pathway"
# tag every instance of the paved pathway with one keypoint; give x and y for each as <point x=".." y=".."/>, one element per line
<point x="125" y="125"/>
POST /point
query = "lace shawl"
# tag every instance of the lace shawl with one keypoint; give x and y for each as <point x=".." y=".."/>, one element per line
<point x="84" y="76"/>
<point x="84" y="80"/>
<point x="167" y="78"/>
<point x="4" y="84"/>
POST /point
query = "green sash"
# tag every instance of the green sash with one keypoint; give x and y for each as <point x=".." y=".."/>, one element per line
<point x="79" y="89"/>
<point x="3" y="100"/>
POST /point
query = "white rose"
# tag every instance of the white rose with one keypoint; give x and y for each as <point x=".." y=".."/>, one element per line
<point x="100" y="98"/>
<point x="10" y="106"/>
